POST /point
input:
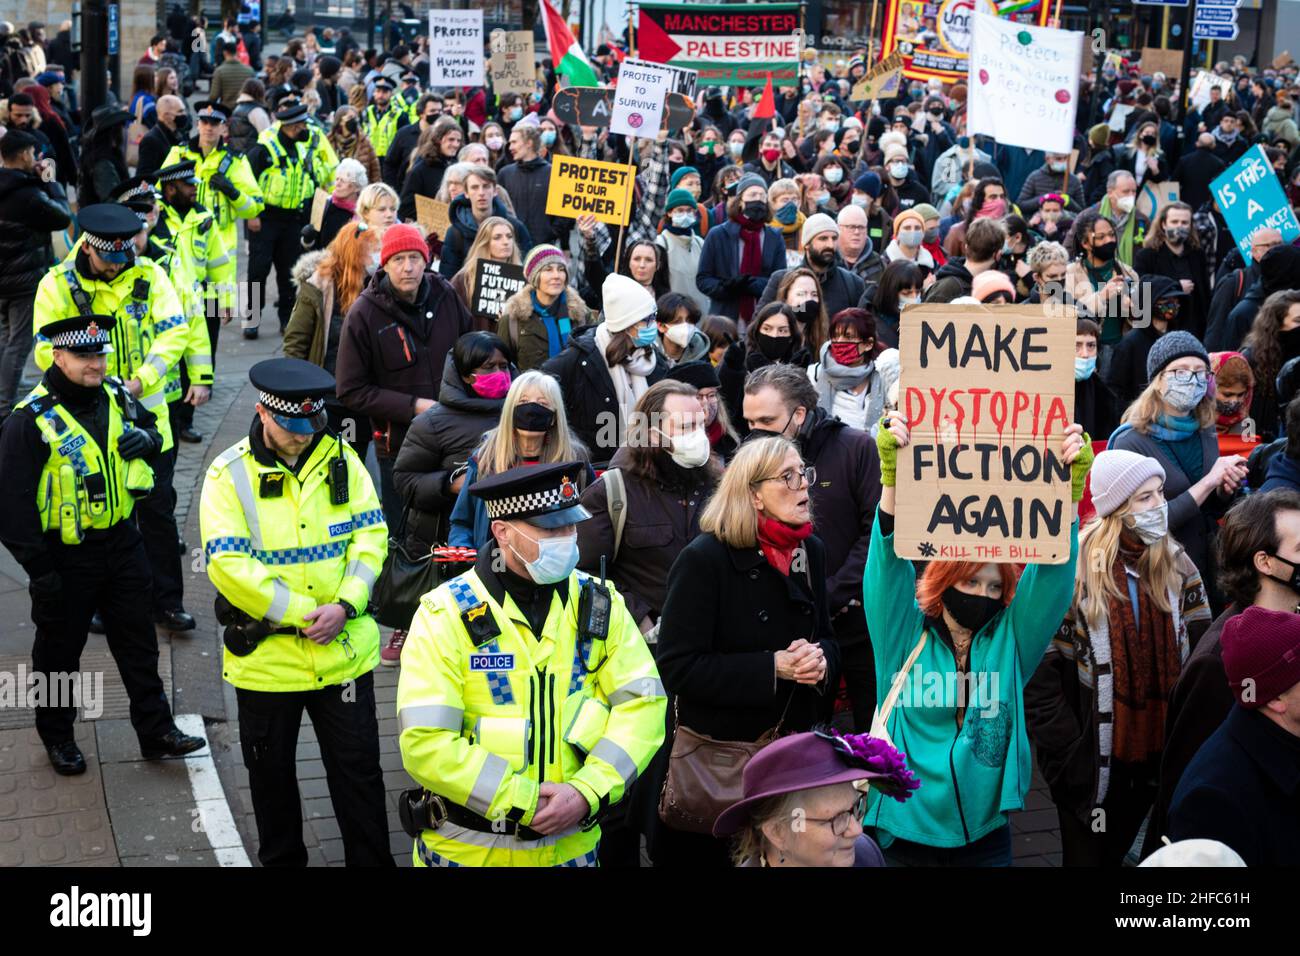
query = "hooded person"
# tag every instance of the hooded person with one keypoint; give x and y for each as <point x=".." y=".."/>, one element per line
<point x="1234" y="390"/>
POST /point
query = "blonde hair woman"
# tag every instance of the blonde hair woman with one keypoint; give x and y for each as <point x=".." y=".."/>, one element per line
<point x="495" y="242"/>
<point x="1106" y="680"/>
<point x="1172" y="421"/>
<point x="533" y="430"/>
<point x="745" y="638"/>
<point x="377" y="208"/>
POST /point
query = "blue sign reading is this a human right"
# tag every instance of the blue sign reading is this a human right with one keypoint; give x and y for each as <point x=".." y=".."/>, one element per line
<point x="1251" y="198"/>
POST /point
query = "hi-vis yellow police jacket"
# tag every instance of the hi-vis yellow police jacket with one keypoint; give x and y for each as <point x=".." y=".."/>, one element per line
<point x="483" y="726"/>
<point x="152" y="330"/>
<point x="292" y="180"/>
<point x="234" y="166"/>
<point x="277" y="547"/>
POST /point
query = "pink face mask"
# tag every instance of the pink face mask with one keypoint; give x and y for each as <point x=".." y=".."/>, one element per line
<point x="993" y="209"/>
<point x="493" y="384"/>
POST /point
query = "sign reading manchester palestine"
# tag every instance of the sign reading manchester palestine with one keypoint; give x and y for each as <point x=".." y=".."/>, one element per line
<point x="987" y="392"/>
<point x="733" y="44"/>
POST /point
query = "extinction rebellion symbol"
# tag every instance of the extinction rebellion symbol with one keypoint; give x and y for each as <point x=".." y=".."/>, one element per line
<point x="635" y="120"/>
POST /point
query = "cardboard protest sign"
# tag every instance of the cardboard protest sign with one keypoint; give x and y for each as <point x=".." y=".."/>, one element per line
<point x="881" y="80"/>
<point x="513" y="69"/>
<point x="1153" y="197"/>
<point x="432" y="215"/>
<point x="318" y="204"/>
<point x="1282" y="59"/>
<point x="639" y="98"/>
<point x="590" y="187"/>
<point x="987" y="392"/>
<point x="1251" y="198"/>
<point x="1200" y="90"/>
<point x="494" y="282"/>
<point x="456" y="47"/>
<point x="1023" y="84"/>
<point x="1168" y="62"/>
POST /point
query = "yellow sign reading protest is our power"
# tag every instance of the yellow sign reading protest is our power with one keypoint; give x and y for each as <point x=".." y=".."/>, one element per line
<point x="588" y="187"/>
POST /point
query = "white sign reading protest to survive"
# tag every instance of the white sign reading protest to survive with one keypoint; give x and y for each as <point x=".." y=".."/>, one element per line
<point x="1023" y="84"/>
<point x="639" y="98"/>
<point x="456" y="48"/>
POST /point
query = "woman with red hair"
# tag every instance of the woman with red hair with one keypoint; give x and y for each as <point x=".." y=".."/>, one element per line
<point x="969" y="637"/>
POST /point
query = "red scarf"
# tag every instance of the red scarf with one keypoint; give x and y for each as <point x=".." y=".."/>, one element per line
<point x="348" y="205"/>
<point x="779" y="540"/>
<point x="751" y="258"/>
<point x="714" y="432"/>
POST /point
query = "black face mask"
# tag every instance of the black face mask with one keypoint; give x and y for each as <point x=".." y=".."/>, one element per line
<point x="1290" y="342"/>
<point x="183" y="123"/>
<point x="1292" y="582"/>
<point x="534" y="417"/>
<point x="1105" y="251"/>
<point x="1148" y="140"/>
<point x="774" y="347"/>
<point x="756" y="433"/>
<point x="971" y="611"/>
<point x="756" y="211"/>
<point x="852" y="147"/>
<point x="352" y="126"/>
<point x="806" y="311"/>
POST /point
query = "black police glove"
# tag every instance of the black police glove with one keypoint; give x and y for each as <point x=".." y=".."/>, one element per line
<point x="135" y="444"/>
<point x="224" y="186"/>
<point x="47" y="587"/>
<point x="309" y="236"/>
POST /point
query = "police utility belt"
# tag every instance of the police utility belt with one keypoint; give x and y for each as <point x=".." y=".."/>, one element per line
<point x="418" y="809"/>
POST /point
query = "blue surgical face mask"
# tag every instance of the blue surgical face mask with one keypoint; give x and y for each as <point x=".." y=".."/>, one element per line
<point x="548" y="137"/>
<point x="647" y="335"/>
<point x="556" y="558"/>
<point x="516" y="114"/>
<point x="788" y="213"/>
<point x="1084" y="367"/>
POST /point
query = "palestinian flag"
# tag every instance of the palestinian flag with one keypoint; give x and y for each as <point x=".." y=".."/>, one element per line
<point x="566" y="54"/>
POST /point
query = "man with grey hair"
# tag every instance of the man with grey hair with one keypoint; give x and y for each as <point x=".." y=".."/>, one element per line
<point x="843" y="481"/>
<point x="172" y="129"/>
<point x="854" y="244"/>
<point x="1119" y="206"/>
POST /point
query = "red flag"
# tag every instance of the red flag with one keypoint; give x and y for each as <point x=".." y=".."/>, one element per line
<point x="766" y="107"/>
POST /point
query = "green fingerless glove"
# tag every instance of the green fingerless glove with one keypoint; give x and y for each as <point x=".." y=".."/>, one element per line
<point x="1079" y="469"/>
<point x="887" y="445"/>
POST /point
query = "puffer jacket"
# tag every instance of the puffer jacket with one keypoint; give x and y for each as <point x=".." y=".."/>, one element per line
<point x="29" y="211"/>
<point x="438" y="443"/>
<point x="520" y="329"/>
<point x="305" y="337"/>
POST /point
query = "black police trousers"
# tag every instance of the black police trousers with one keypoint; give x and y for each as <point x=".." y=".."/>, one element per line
<point x="107" y="572"/>
<point x="156" y="516"/>
<point x="278" y="243"/>
<point x="348" y="731"/>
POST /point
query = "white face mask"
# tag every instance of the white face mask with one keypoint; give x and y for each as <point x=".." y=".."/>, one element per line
<point x="833" y="174"/>
<point x="690" y="450"/>
<point x="680" y="334"/>
<point x="1125" y="204"/>
<point x="1151" y="525"/>
<point x="494" y="143"/>
<point x="898" y="170"/>
<point x="905" y="300"/>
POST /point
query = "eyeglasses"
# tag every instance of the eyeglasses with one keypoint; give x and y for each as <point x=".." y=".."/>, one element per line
<point x="841" y="822"/>
<point x="1183" y="376"/>
<point x="793" y="479"/>
<point x="853" y="228"/>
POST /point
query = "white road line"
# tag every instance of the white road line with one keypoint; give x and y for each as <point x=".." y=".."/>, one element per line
<point x="214" y="812"/>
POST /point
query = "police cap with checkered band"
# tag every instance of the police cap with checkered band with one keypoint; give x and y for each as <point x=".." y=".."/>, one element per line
<point x="83" y="334"/>
<point x="110" y="229"/>
<point x="294" y="392"/>
<point x="545" y="496"/>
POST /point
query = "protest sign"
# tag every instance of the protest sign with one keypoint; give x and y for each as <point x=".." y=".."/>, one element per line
<point x="1200" y="91"/>
<point x="732" y="44"/>
<point x="1168" y="62"/>
<point x="1282" y="59"/>
<point x="593" y="106"/>
<point x="1153" y="197"/>
<point x="513" y="69"/>
<point x="318" y="203"/>
<point x="1023" y="84"/>
<point x="880" y="81"/>
<point x="1251" y="198"/>
<point x="456" y="47"/>
<point x="494" y="282"/>
<point x="639" y="98"/>
<point x="935" y="37"/>
<point x="589" y="187"/>
<point x="432" y="215"/>
<point x="983" y="478"/>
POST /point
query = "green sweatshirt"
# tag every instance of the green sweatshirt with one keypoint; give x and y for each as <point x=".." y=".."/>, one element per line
<point x="973" y="774"/>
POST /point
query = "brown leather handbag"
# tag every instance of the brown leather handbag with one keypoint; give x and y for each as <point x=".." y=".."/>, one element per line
<point x="704" y="775"/>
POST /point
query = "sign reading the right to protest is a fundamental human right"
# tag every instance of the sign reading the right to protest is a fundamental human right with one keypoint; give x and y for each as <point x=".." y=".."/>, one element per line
<point x="1250" y="196"/>
<point x="455" y="47"/>
<point x="987" y="393"/>
<point x="494" y="283"/>
<point x="589" y="187"/>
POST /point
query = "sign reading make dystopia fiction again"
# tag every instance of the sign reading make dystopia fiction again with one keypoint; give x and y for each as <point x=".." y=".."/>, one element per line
<point x="987" y="392"/>
<point x="732" y="44"/>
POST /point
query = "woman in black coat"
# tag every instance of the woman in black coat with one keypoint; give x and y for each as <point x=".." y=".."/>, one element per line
<point x="745" y="640"/>
<point x="103" y="156"/>
<point x="430" y="468"/>
<point x="773" y="336"/>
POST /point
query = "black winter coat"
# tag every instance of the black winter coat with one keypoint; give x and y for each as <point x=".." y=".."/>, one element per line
<point x="527" y="184"/>
<point x="396" y="162"/>
<point x="1242" y="789"/>
<point x="155" y="146"/>
<point x="727" y="613"/>
<point x="391" y="354"/>
<point x="29" y="211"/>
<point x="1128" y="364"/>
<point x="844" y="501"/>
<point x="439" y="442"/>
<point x="589" y="392"/>
<point x="659" y="522"/>
<point x="423" y="179"/>
<point x="737" y="362"/>
<point x="464" y="227"/>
